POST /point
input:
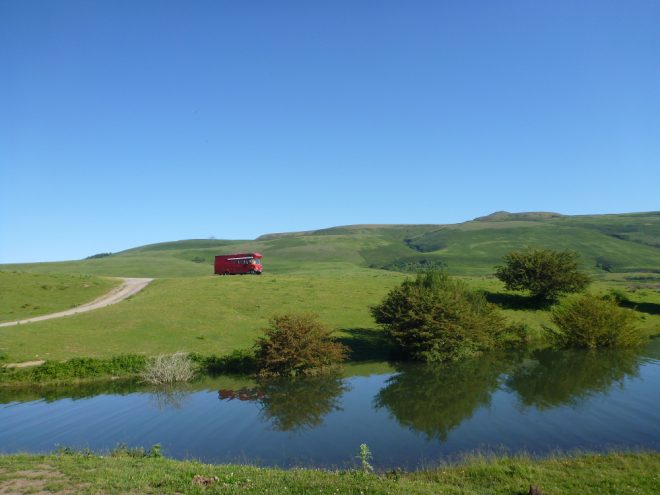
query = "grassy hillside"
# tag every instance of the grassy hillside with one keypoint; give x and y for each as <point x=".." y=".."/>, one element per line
<point x="325" y="271"/>
<point x="24" y="295"/>
<point x="607" y="243"/>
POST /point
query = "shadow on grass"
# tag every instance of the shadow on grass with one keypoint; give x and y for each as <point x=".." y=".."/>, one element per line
<point x="644" y="307"/>
<point x="516" y="301"/>
<point x="366" y="344"/>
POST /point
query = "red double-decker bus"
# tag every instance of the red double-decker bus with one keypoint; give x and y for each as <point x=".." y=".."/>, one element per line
<point x="233" y="264"/>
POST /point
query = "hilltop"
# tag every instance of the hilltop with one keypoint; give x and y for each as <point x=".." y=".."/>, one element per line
<point x="607" y="243"/>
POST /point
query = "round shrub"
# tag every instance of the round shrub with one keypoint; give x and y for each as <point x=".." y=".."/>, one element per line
<point x="436" y="318"/>
<point x="545" y="273"/>
<point x="297" y="344"/>
<point x="591" y="322"/>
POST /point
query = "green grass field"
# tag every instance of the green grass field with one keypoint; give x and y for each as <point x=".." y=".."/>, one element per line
<point x="326" y="272"/>
<point x="24" y="295"/>
<point x="215" y="315"/>
<point x="587" y="474"/>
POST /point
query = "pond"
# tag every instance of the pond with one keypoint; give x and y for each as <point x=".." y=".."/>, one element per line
<point x="409" y="415"/>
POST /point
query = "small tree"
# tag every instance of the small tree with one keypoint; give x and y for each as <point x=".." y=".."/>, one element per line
<point x="297" y="344"/>
<point x="436" y="318"/>
<point x="545" y="273"/>
<point x="591" y="322"/>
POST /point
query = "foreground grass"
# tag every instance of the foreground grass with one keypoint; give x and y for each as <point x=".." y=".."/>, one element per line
<point x="24" y="295"/>
<point x="613" y="473"/>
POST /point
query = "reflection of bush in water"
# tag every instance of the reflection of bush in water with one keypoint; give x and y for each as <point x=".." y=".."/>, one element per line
<point x="169" y="398"/>
<point x="434" y="399"/>
<point x="52" y="393"/>
<point x="301" y="402"/>
<point x="555" y="378"/>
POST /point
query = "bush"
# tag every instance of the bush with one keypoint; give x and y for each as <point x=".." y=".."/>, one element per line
<point x="545" y="273"/>
<point x="177" y="367"/>
<point x="237" y="361"/>
<point x="297" y="344"/>
<point x="436" y="318"/>
<point x="76" y="369"/>
<point x="591" y="322"/>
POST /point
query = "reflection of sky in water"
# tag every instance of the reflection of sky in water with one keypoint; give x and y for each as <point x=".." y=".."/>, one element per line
<point x="198" y="424"/>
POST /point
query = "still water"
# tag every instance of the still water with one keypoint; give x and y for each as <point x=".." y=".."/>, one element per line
<point x="410" y="416"/>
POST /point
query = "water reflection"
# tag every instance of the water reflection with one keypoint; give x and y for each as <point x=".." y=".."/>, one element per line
<point x="293" y="404"/>
<point x="169" y="398"/>
<point x="78" y="391"/>
<point x="434" y="399"/>
<point x="555" y="378"/>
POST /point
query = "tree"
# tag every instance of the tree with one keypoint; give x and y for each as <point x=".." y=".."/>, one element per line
<point x="545" y="273"/>
<point x="297" y="344"/>
<point x="590" y="322"/>
<point x="436" y="318"/>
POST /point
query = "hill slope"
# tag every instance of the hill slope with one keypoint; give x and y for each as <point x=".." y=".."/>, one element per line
<point x="606" y="243"/>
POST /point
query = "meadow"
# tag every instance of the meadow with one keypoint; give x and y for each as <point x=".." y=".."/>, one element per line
<point x="24" y="295"/>
<point x="337" y="273"/>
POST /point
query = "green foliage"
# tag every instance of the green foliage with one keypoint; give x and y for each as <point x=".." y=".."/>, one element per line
<point x="591" y="322"/>
<point x="543" y="272"/>
<point x="297" y="344"/>
<point x="76" y="369"/>
<point x="437" y="318"/>
<point x="237" y="361"/>
<point x="123" y="450"/>
<point x="408" y="265"/>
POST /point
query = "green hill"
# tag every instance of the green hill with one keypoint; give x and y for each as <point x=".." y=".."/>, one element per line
<point x="606" y="243"/>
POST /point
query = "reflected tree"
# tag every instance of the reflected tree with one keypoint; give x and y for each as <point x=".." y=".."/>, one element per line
<point x="434" y="399"/>
<point x="293" y="403"/>
<point x="554" y="378"/>
<point x="301" y="403"/>
<point x="82" y="390"/>
<point x="169" y="398"/>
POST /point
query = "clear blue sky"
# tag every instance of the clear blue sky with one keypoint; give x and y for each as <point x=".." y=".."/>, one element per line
<point x="130" y="122"/>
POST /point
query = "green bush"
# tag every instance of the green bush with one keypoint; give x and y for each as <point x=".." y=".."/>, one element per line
<point x="237" y="361"/>
<point x="76" y="369"/>
<point x="297" y="344"/>
<point x="590" y="322"/>
<point x="436" y="318"/>
<point x="545" y="273"/>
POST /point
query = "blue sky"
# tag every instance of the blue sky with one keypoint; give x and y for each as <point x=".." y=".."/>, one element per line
<point x="124" y="123"/>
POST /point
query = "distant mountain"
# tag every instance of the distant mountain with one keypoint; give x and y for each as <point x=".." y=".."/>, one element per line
<point x="606" y="243"/>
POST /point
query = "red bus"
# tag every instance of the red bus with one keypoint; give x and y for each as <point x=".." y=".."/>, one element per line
<point x="232" y="264"/>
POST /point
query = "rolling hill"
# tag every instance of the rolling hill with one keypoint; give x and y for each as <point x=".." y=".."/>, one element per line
<point x="606" y="243"/>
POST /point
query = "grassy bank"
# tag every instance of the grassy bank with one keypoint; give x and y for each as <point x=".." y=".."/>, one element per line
<point x="25" y="295"/>
<point x="135" y="472"/>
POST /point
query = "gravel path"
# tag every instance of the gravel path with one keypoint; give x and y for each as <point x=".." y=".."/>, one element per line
<point x="128" y="288"/>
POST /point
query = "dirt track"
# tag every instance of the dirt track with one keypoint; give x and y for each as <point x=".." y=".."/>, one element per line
<point x="128" y="288"/>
